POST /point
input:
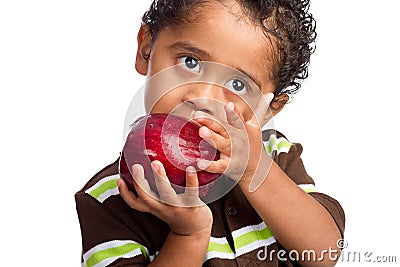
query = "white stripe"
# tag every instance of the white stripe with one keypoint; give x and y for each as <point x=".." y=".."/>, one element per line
<point x="152" y="257"/>
<point x="219" y="255"/>
<point x="102" y="181"/>
<point x="247" y="229"/>
<point x="107" y="194"/>
<point x="107" y="245"/>
<point x="308" y="187"/>
<point x="112" y="244"/>
<point x="219" y="240"/>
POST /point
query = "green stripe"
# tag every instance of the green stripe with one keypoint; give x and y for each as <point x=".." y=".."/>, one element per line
<point x="113" y="252"/>
<point x="103" y="188"/>
<point x="273" y="142"/>
<point x="309" y="190"/>
<point x="283" y="144"/>
<point x="251" y="237"/>
<point x="224" y="248"/>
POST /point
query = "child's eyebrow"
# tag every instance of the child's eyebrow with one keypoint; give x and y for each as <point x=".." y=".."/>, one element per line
<point x="253" y="78"/>
<point x="191" y="48"/>
<point x="205" y="55"/>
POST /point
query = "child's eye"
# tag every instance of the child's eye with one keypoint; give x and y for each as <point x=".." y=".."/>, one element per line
<point x="190" y="63"/>
<point x="237" y="86"/>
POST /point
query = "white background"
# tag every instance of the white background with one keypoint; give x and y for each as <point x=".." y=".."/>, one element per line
<point x="67" y="77"/>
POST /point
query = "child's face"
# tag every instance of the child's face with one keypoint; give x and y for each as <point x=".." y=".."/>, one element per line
<point x="218" y="35"/>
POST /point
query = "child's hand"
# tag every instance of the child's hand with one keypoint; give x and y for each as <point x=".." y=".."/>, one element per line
<point x="239" y="142"/>
<point x="185" y="213"/>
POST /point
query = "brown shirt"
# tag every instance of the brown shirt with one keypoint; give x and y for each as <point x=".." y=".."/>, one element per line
<point x="115" y="234"/>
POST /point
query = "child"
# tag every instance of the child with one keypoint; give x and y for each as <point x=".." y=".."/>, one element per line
<point x="280" y="220"/>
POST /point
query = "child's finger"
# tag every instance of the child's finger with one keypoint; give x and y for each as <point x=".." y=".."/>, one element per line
<point x="211" y="123"/>
<point x="142" y="187"/>
<point x="218" y="166"/>
<point x="233" y="118"/>
<point x="139" y="179"/>
<point x="166" y="192"/>
<point x="217" y="141"/>
<point x="126" y="194"/>
<point x="130" y="198"/>
<point x="192" y="187"/>
<point x="262" y="113"/>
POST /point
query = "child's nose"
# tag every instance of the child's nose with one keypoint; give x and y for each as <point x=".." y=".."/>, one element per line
<point x="207" y="98"/>
<point x="202" y="104"/>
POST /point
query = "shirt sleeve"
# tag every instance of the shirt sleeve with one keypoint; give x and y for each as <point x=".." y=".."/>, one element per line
<point x="288" y="157"/>
<point x="112" y="233"/>
<point x="106" y="239"/>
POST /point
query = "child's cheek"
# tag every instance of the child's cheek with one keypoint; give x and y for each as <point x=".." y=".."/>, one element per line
<point x="156" y="102"/>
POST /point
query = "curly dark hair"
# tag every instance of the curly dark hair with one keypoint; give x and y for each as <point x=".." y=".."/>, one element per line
<point x="287" y="23"/>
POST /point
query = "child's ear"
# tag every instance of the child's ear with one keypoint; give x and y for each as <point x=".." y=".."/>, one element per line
<point x="143" y="51"/>
<point x="278" y="103"/>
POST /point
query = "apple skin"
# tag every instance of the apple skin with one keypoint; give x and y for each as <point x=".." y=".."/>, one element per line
<point x="172" y="140"/>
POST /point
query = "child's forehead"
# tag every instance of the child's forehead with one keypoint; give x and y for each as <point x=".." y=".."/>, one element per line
<point x="223" y="34"/>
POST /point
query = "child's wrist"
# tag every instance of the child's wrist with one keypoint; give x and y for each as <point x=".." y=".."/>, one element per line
<point x="203" y="234"/>
<point x="201" y="231"/>
<point x="252" y="180"/>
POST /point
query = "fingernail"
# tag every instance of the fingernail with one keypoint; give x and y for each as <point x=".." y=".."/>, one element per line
<point x="199" y="119"/>
<point x="191" y="169"/>
<point x="154" y="166"/>
<point x="198" y="115"/>
<point x="230" y="106"/>
<point x="202" y="164"/>
<point x="205" y="132"/>
<point x="134" y="170"/>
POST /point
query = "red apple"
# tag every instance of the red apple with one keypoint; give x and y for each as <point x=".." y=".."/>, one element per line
<point x="172" y="140"/>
